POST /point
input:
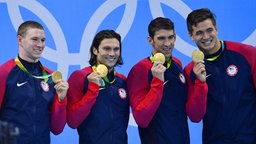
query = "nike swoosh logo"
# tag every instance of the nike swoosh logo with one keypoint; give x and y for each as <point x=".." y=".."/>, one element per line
<point x="102" y="88"/>
<point x="20" y="84"/>
<point x="165" y="82"/>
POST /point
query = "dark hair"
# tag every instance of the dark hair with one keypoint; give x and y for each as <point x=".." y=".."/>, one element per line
<point x="198" y="16"/>
<point x="158" y="24"/>
<point x="99" y="37"/>
<point x="23" y="28"/>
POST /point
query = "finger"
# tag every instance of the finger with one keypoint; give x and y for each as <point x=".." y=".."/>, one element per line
<point x="61" y="86"/>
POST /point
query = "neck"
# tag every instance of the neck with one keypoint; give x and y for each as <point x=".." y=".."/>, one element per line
<point x="25" y="58"/>
<point x="110" y="70"/>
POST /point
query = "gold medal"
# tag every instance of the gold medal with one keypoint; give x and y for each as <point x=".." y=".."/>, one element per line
<point x="56" y="76"/>
<point x="159" y="57"/>
<point x="197" y="56"/>
<point x="102" y="70"/>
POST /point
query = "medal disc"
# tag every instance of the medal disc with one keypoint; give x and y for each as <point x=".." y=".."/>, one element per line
<point x="56" y="76"/>
<point x="159" y="57"/>
<point x="102" y="69"/>
<point x="197" y="56"/>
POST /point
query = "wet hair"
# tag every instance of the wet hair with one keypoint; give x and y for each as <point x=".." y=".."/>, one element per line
<point x="197" y="16"/>
<point x="23" y="28"/>
<point x="158" y="24"/>
<point x="99" y="37"/>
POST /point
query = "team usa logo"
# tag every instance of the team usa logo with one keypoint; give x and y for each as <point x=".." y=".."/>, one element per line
<point x="122" y="93"/>
<point x="182" y="78"/>
<point x="232" y="70"/>
<point x="44" y="86"/>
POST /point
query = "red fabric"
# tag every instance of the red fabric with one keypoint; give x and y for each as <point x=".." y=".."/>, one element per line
<point x="80" y="103"/>
<point x="144" y="99"/>
<point x="197" y="96"/>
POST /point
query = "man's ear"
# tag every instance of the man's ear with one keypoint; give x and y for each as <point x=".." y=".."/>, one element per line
<point x="217" y="30"/>
<point x="19" y="39"/>
<point x="150" y="39"/>
<point x="191" y="36"/>
<point x="95" y="51"/>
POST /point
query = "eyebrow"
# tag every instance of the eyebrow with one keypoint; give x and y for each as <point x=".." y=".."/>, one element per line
<point x="165" y="37"/>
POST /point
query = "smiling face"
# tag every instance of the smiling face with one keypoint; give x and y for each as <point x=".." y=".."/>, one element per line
<point x="205" y="35"/>
<point x="108" y="52"/>
<point x="31" y="44"/>
<point x="163" y="42"/>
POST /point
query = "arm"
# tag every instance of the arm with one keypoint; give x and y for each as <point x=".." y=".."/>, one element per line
<point x="58" y="108"/>
<point x="58" y="115"/>
<point x="80" y="103"/>
<point x="3" y="76"/>
<point x="144" y="98"/>
<point x="197" y="95"/>
<point x="4" y="71"/>
<point x="248" y="52"/>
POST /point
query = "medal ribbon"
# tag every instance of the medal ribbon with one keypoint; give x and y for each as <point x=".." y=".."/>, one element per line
<point x="168" y="62"/>
<point x="45" y="76"/>
<point x="215" y="57"/>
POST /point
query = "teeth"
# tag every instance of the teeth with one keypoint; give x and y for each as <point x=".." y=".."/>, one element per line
<point x="37" y="50"/>
<point x="111" y="59"/>
<point x="207" y="42"/>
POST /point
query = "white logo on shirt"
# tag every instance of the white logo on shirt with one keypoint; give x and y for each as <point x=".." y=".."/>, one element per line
<point x="122" y="93"/>
<point x="232" y="70"/>
<point x="21" y="84"/>
<point x="45" y="86"/>
<point x="182" y="78"/>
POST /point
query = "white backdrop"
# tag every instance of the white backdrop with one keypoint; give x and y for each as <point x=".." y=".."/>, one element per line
<point x="71" y="25"/>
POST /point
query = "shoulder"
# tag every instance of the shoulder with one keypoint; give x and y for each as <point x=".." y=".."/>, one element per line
<point x="47" y="69"/>
<point x="247" y="51"/>
<point x="239" y="47"/>
<point x="140" y="70"/>
<point x="177" y="60"/>
<point x="79" y="74"/>
<point x="121" y="75"/>
<point x="144" y="64"/>
<point x="6" y="67"/>
<point x="9" y="64"/>
<point x="189" y="67"/>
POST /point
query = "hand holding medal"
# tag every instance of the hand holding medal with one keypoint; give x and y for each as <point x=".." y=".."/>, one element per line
<point x="158" y="69"/>
<point x="61" y="87"/>
<point x="199" y="68"/>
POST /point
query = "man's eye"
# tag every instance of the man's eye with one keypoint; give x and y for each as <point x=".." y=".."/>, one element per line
<point x="116" y="49"/>
<point x="209" y="30"/>
<point x="161" y="38"/>
<point x="171" y="37"/>
<point x="199" y="33"/>
<point x="107" y="48"/>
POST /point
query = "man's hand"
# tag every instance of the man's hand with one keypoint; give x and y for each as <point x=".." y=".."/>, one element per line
<point x="94" y="77"/>
<point x="158" y="70"/>
<point x="199" y="70"/>
<point x="61" y="87"/>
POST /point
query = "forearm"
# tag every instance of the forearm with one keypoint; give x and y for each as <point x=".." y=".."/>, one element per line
<point x="58" y="115"/>
<point x="79" y="110"/>
<point x="145" y="103"/>
<point x="197" y="101"/>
